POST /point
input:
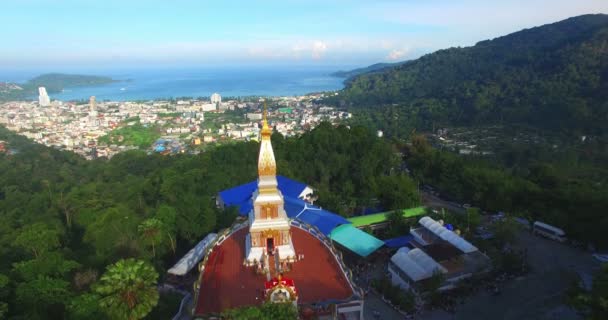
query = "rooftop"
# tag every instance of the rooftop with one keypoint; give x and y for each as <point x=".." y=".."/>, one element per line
<point x="226" y="283"/>
<point x="370" y="219"/>
<point x="355" y="240"/>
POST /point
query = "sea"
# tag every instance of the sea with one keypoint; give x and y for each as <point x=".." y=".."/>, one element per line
<point x="174" y="82"/>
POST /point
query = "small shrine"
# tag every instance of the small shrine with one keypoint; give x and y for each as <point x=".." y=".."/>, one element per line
<point x="281" y="290"/>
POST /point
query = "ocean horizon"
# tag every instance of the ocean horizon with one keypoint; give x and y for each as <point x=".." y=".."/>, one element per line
<point x="174" y="82"/>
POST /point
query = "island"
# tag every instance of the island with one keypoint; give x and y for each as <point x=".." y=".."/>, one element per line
<point x="53" y="82"/>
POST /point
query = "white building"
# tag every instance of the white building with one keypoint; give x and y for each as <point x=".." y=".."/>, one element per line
<point x="254" y="116"/>
<point x="216" y="98"/>
<point x="208" y="107"/>
<point x="43" y="97"/>
<point x="92" y="108"/>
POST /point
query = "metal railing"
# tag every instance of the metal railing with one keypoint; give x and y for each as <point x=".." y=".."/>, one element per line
<point x="223" y="235"/>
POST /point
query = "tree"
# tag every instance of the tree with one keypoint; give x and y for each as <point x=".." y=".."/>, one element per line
<point x="594" y="304"/>
<point x="128" y="289"/>
<point x="114" y="229"/>
<point x="398" y="192"/>
<point x="267" y="311"/>
<point x="51" y="264"/>
<point x="41" y="295"/>
<point x="168" y="216"/>
<point x="37" y="238"/>
<point x="151" y="233"/>
<point x="3" y="295"/>
<point x="505" y="229"/>
<point x="84" y="307"/>
<point x="398" y="224"/>
<point x="473" y="218"/>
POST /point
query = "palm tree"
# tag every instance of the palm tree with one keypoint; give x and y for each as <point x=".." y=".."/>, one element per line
<point x="151" y="232"/>
<point x="128" y="289"/>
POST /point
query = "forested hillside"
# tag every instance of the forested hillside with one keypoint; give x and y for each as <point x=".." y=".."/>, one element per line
<point x="553" y="77"/>
<point x="64" y="219"/>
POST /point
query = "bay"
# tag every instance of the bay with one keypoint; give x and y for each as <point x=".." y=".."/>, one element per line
<point x="229" y="81"/>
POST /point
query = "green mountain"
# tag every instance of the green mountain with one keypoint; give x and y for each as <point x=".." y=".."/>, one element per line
<point x="53" y="82"/>
<point x="552" y="77"/>
<point x="377" y="67"/>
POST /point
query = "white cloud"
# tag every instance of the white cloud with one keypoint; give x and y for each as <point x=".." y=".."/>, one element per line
<point x="397" y="54"/>
<point x="318" y="49"/>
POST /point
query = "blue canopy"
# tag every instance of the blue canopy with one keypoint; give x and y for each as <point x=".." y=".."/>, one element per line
<point x="240" y="196"/>
<point x="324" y="220"/>
<point x="355" y="240"/>
<point x="398" y="242"/>
<point x="290" y="187"/>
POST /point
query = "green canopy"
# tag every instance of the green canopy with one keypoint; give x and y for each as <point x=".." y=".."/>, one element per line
<point x="355" y="240"/>
<point x="370" y="219"/>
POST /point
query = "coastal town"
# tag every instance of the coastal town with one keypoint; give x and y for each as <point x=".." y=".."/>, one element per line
<point x="105" y="128"/>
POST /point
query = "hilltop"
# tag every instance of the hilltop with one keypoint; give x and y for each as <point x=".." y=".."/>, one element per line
<point x="553" y="77"/>
<point x="377" y="67"/>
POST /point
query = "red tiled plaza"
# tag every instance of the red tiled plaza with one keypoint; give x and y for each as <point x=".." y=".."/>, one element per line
<point x="227" y="283"/>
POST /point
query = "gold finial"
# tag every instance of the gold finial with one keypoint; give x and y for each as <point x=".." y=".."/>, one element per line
<point x="266" y="132"/>
<point x="265" y="113"/>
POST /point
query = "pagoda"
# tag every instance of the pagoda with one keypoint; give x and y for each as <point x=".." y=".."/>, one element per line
<point x="269" y="237"/>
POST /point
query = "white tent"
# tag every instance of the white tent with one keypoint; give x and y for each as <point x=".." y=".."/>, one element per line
<point x="416" y="264"/>
<point x="447" y="235"/>
<point x="403" y="261"/>
<point x="194" y="256"/>
<point x="426" y="262"/>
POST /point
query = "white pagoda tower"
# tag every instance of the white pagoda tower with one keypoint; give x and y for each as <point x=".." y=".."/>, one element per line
<point x="269" y="228"/>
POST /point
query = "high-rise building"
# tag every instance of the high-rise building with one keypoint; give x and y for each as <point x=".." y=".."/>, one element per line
<point x="216" y="98"/>
<point x="43" y="97"/>
<point x="92" y="108"/>
<point x="92" y="103"/>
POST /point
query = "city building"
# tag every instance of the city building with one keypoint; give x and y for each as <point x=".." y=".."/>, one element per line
<point x="92" y="108"/>
<point x="216" y="98"/>
<point x="43" y="97"/>
<point x="280" y="253"/>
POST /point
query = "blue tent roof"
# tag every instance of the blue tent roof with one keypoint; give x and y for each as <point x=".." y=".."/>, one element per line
<point x="239" y="196"/>
<point x="325" y="221"/>
<point x="290" y="187"/>
<point x="399" y="241"/>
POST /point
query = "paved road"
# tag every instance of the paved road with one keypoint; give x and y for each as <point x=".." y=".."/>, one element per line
<point x="374" y="303"/>
<point x="432" y="201"/>
<point x="538" y="295"/>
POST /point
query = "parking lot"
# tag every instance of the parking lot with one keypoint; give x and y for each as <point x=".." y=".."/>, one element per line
<point x="537" y="295"/>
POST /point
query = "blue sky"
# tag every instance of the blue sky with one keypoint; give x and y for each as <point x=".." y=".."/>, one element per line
<point x="199" y="32"/>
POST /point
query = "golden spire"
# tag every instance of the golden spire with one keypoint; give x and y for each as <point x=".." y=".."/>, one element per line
<point x="266" y="164"/>
<point x="266" y="131"/>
